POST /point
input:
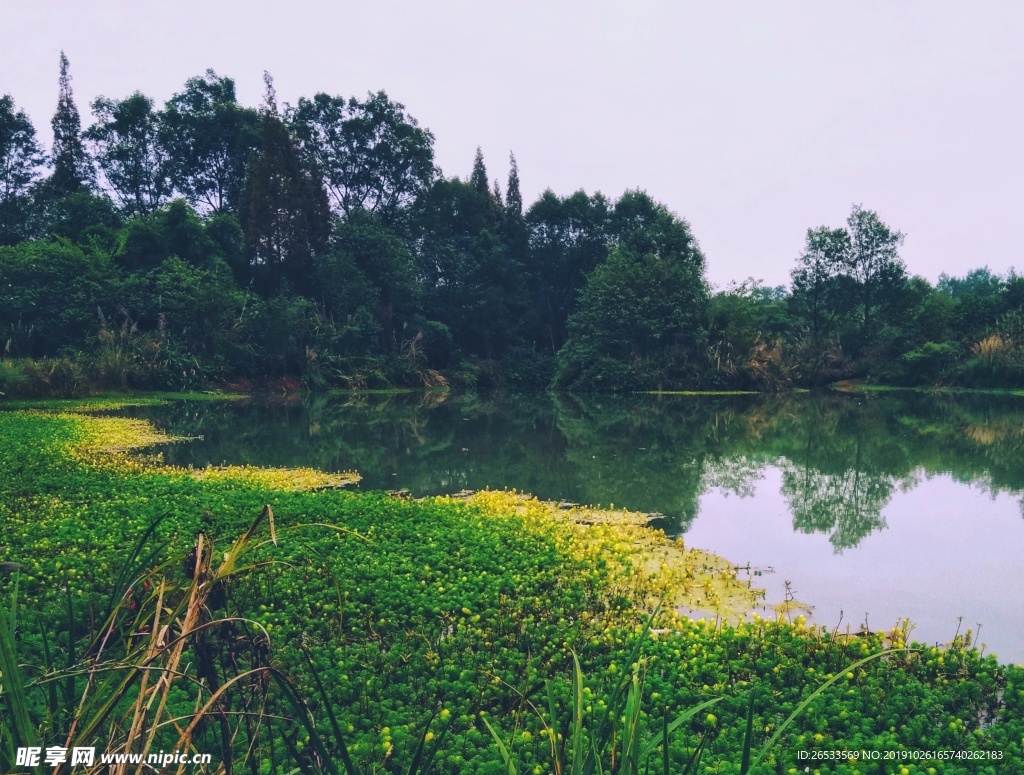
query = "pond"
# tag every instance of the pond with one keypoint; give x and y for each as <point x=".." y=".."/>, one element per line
<point x="869" y="506"/>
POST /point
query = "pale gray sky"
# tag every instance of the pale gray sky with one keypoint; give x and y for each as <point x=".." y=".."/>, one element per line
<point x="753" y="120"/>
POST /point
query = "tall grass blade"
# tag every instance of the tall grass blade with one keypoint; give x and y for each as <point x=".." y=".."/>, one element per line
<point x="694" y="761"/>
<point x="346" y="760"/>
<point x="14" y="607"/>
<point x="69" y="683"/>
<point x="630" y="729"/>
<point x="53" y="706"/>
<point x="502" y="748"/>
<point x="128" y="568"/>
<point x="433" y="751"/>
<point x="748" y="737"/>
<point x="604" y="733"/>
<point x="553" y="726"/>
<point x="414" y="767"/>
<point x="577" y="720"/>
<point x="23" y="732"/>
<point x="664" y="743"/>
<point x="302" y="713"/>
<point x="682" y="718"/>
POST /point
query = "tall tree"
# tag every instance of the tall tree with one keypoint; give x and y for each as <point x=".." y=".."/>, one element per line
<point x="374" y="156"/>
<point x="514" y="224"/>
<point x="20" y="158"/>
<point x="72" y="169"/>
<point x="640" y="324"/>
<point x="513" y="196"/>
<point x="642" y="315"/>
<point x="209" y="138"/>
<point x="567" y="238"/>
<point x="874" y="265"/>
<point x="645" y="226"/>
<point x="478" y="177"/>
<point x="127" y="150"/>
<point x="471" y="283"/>
<point x="816" y="284"/>
<point x="284" y="211"/>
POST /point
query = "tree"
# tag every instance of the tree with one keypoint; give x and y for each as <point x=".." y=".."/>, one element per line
<point x="20" y="158"/>
<point x="645" y="226"/>
<point x="72" y="169"/>
<point x="209" y="138"/>
<point x="126" y="147"/>
<point x="172" y="231"/>
<point x="513" y="197"/>
<point x="747" y="323"/>
<point x="284" y="211"/>
<point x="368" y="265"/>
<point x="640" y="324"/>
<point x="374" y="157"/>
<point x="816" y="281"/>
<point x="567" y="238"/>
<point x="471" y="283"/>
<point x="50" y="292"/>
<point x="514" y="224"/>
<point x="478" y="177"/>
<point x="874" y="265"/>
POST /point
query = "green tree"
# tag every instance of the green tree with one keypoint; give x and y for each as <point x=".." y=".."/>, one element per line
<point x="478" y="177"/>
<point x="369" y="266"/>
<point x="172" y="231"/>
<point x="514" y="225"/>
<point x="568" y="237"/>
<point x="198" y="306"/>
<point x="374" y="157"/>
<point x="20" y="159"/>
<point x="513" y="197"/>
<point x="471" y="283"/>
<point x="127" y="150"/>
<point x="85" y="218"/>
<point x="284" y="211"/>
<point x="72" y="168"/>
<point x="49" y="296"/>
<point x="874" y="266"/>
<point x="645" y="226"/>
<point x="816" y="290"/>
<point x="640" y="324"/>
<point x="209" y="138"/>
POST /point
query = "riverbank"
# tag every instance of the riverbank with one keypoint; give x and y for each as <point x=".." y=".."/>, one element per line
<point x="406" y="609"/>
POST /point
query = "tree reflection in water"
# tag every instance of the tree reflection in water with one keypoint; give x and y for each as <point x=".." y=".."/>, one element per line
<point x="842" y="456"/>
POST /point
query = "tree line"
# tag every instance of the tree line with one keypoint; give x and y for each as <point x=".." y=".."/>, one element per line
<point x="208" y="242"/>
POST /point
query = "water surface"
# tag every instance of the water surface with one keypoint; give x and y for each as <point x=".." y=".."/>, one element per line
<point x="872" y="507"/>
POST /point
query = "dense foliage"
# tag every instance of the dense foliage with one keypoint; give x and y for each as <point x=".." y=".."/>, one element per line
<point x="321" y="244"/>
<point x="411" y="611"/>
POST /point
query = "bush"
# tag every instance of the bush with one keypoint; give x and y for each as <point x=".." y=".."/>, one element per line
<point x="63" y="377"/>
<point x="12" y="377"/>
<point x="932" y="362"/>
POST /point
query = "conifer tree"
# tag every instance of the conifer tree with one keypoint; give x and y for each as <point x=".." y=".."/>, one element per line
<point x="513" y="197"/>
<point x="496" y="196"/>
<point x="72" y="170"/>
<point x="516" y="237"/>
<point x="478" y="178"/>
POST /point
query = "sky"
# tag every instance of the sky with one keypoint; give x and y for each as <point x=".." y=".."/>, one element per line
<point x="752" y="120"/>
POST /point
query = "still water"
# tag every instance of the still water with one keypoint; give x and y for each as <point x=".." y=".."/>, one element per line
<point x="871" y="507"/>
